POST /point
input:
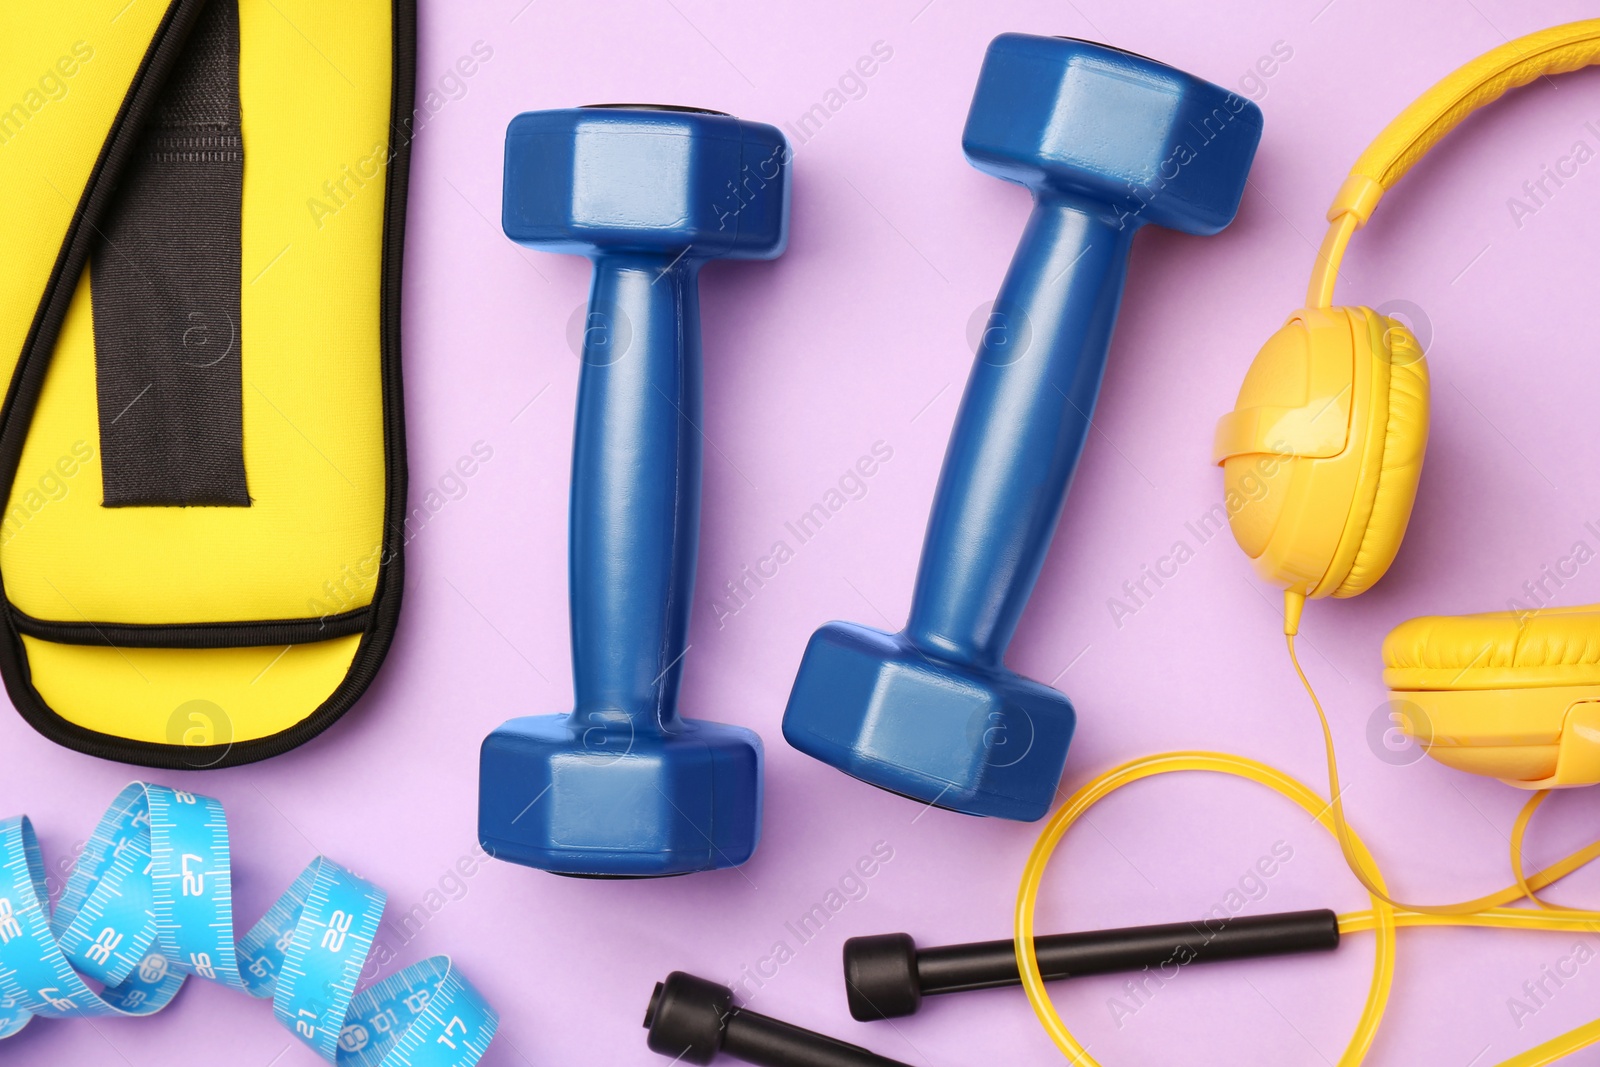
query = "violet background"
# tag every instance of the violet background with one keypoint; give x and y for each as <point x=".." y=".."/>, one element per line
<point x="858" y="335"/>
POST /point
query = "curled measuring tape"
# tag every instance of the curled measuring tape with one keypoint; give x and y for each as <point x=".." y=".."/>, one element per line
<point x="150" y="902"/>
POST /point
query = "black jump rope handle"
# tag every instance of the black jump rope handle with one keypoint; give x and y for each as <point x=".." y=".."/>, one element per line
<point x="887" y="976"/>
<point x="693" y="1020"/>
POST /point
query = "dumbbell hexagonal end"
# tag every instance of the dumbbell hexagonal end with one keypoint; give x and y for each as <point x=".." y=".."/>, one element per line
<point x="649" y="179"/>
<point x="1150" y="142"/>
<point x="599" y="801"/>
<point x="971" y="739"/>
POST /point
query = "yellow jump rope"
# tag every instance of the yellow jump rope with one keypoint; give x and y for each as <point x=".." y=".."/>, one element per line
<point x="1339" y="395"/>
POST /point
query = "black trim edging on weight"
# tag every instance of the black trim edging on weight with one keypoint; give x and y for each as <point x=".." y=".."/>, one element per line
<point x="266" y="633"/>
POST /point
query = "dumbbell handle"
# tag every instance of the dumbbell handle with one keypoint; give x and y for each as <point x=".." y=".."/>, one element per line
<point x="635" y="514"/>
<point x="1020" y="429"/>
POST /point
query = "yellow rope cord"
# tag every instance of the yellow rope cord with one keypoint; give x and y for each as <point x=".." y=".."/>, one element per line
<point x="1383" y="918"/>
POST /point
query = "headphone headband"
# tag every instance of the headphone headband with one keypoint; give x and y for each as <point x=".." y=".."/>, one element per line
<point x="1558" y="50"/>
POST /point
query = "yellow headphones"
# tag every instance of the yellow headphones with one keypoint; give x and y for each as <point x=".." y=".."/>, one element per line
<point x="1338" y="401"/>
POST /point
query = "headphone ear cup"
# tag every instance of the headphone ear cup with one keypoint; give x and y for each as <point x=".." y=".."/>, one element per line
<point x="1394" y="474"/>
<point x="1256" y="480"/>
<point x="1286" y="449"/>
<point x="1322" y="452"/>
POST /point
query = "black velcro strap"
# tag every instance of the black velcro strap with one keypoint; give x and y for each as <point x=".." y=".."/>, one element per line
<point x="166" y="282"/>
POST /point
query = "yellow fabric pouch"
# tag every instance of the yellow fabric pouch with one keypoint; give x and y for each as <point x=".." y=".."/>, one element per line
<point x="202" y="437"/>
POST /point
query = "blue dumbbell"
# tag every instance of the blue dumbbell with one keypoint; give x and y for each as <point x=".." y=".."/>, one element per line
<point x="622" y="786"/>
<point x="1107" y="141"/>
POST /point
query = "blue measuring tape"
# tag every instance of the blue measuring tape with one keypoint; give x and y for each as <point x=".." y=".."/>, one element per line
<point x="150" y="902"/>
